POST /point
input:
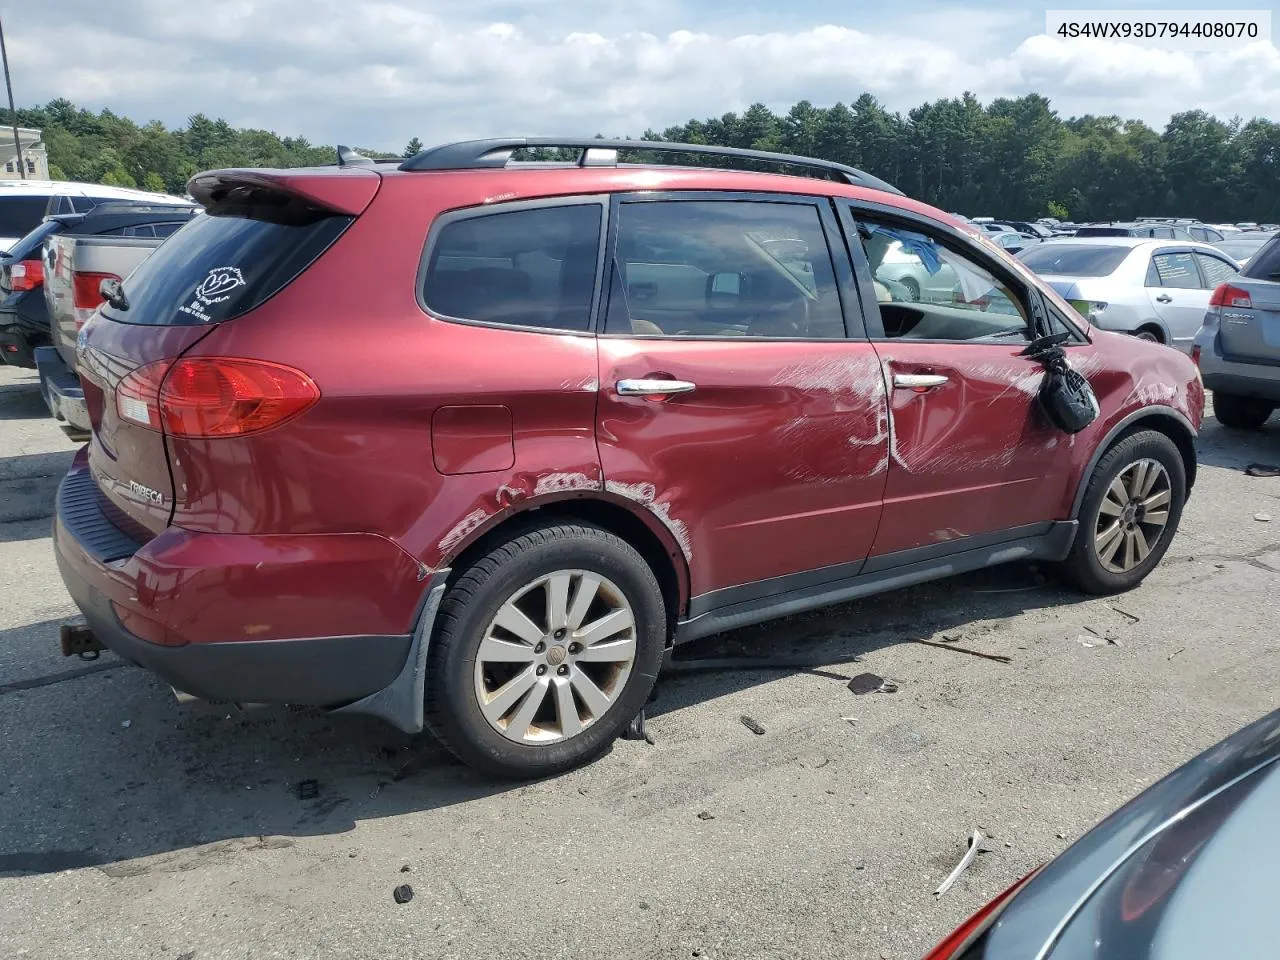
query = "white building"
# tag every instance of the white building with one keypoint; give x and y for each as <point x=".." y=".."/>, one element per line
<point x="34" y="156"/>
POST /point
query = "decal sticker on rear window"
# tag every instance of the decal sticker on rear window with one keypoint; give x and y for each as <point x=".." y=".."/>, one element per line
<point x="215" y="288"/>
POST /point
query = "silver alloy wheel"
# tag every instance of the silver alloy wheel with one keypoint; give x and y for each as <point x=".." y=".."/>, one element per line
<point x="1132" y="516"/>
<point x="555" y="657"/>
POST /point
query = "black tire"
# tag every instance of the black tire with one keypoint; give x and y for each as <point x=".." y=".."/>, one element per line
<point x="452" y="707"/>
<point x="1241" y="413"/>
<point x="1148" y="335"/>
<point x="1082" y="568"/>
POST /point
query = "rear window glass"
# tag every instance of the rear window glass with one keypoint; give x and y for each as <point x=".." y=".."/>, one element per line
<point x="530" y="268"/>
<point x="1075" y="260"/>
<point x="1266" y="264"/>
<point x="20" y="215"/>
<point x="218" y="267"/>
<point x="1215" y="271"/>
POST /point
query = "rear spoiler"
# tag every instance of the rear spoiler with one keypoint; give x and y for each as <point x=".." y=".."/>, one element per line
<point x="343" y="190"/>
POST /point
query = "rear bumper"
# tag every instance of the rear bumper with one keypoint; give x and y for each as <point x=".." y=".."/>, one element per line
<point x="61" y="389"/>
<point x="1260" y="380"/>
<point x="139" y="598"/>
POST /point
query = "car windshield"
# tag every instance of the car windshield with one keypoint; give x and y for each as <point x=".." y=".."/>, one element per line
<point x="1075" y="260"/>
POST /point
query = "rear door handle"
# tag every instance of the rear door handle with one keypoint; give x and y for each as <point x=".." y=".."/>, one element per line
<point x="918" y="381"/>
<point x="654" y="388"/>
<point x="1164" y="298"/>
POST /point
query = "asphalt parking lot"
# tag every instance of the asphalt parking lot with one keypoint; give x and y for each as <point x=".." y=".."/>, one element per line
<point x="133" y="827"/>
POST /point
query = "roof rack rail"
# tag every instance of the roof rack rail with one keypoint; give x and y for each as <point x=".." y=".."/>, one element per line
<point x="481" y="154"/>
<point x="349" y="158"/>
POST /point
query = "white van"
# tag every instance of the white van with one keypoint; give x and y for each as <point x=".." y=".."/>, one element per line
<point x="24" y="203"/>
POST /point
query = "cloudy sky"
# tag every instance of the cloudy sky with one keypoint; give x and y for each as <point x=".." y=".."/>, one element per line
<point x="377" y="72"/>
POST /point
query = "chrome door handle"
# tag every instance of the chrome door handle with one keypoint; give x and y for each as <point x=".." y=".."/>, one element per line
<point x="918" y="381"/>
<point x="654" y="388"/>
<point x="1164" y="298"/>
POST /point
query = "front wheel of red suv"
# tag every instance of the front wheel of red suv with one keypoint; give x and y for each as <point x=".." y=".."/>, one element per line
<point x="1130" y="513"/>
<point x="544" y="649"/>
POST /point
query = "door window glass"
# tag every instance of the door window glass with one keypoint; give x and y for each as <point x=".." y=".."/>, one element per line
<point x="929" y="291"/>
<point x="1176" y="270"/>
<point x="723" y="268"/>
<point x="534" y="267"/>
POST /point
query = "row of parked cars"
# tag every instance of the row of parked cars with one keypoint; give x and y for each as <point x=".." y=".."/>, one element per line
<point x="598" y="410"/>
<point x="67" y="239"/>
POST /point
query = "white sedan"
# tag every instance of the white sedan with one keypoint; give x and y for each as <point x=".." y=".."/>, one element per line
<point x="1154" y="289"/>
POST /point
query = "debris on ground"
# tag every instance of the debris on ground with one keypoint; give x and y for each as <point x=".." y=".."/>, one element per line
<point x="1262" y="470"/>
<point x="1175" y="653"/>
<point x="998" y="658"/>
<point x="706" y="815"/>
<point x="850" y="720"/>
<point x="871" y="683"/>
<point x="636" y="729"/>
<point x="752" y="725"/>
<point x="189" y="955"/>
<point x="1262" y="517"/>
<point x="975" y="842"/>
<point x="1105" y="637"/>
<point x="1132" y="618"/>
<point x="308" y="789"/>
<point x="126" y="724"/>
<point x="402" y="893"/>
<point x="406" y="869"/>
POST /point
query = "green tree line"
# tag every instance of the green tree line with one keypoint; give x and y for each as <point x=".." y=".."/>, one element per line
<point x="1013" y="157"/>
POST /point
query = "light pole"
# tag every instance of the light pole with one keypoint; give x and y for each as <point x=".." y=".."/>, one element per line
<point x="13" y="112"/>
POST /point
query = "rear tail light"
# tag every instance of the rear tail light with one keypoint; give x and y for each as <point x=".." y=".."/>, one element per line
<point x="964" y="935"/>
<point x="87" y="289"/>
<point x="26" y="275"/>
<point x="1228" y="296"/>
<point x="214" y="396"/>
<point x="86" y="294"/>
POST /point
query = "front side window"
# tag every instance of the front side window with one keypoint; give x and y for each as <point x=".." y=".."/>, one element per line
<point x="1176" y="270"/>
<point x="929" y="291"/>
<point x="722" y="268"/>
<point x="1215" y="271"/>
<point x="534" y="267"/>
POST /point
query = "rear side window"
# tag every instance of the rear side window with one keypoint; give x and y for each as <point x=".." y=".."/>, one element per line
<point x="1177" y="270"/>
<point x="1215" y="271"/>
<point x="1075" y="260"/>
<point x="1102" y="232"/>
<point x="1265" y="264"/>
<point x="723" y="268"/>
<point x="218" y="267"/>
<point x="534" y="267"/>
<point x="83" y="204"/>
<point x="19" y="215"/>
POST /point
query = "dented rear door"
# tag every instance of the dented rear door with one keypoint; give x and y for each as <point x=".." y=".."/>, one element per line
<point x="733" y="405"/>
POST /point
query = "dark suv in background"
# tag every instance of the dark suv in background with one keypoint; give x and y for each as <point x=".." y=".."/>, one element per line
<point x="24" y="316"/>
<point x="596" y="409"/>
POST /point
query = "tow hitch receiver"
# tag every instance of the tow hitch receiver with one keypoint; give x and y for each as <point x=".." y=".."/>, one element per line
<point x="79" y="640"/>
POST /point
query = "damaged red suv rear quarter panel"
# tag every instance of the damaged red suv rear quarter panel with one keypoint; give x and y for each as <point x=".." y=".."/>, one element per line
<point x="362" y="460"/>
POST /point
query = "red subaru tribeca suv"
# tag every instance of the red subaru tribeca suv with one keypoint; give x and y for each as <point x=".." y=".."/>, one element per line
<point x="468" y="441"/>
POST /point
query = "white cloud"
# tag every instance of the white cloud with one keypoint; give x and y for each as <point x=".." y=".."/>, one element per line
<point x="377" y="73"/>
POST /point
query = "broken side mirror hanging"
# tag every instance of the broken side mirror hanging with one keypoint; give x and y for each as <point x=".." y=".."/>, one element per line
<point x="1065" y="395"/>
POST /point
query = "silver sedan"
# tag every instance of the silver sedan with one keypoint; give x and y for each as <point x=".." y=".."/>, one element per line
<point x="1154" y="289"/>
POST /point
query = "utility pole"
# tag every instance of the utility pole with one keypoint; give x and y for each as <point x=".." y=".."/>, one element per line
<point x="13" y="112"/>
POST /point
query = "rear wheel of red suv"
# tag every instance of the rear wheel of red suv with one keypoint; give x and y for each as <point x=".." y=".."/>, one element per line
<point x="544" y="649"/>
<point x="1129" y="515"/>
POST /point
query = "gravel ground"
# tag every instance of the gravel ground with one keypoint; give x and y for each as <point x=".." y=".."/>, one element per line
<point x="131" y="827"/>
